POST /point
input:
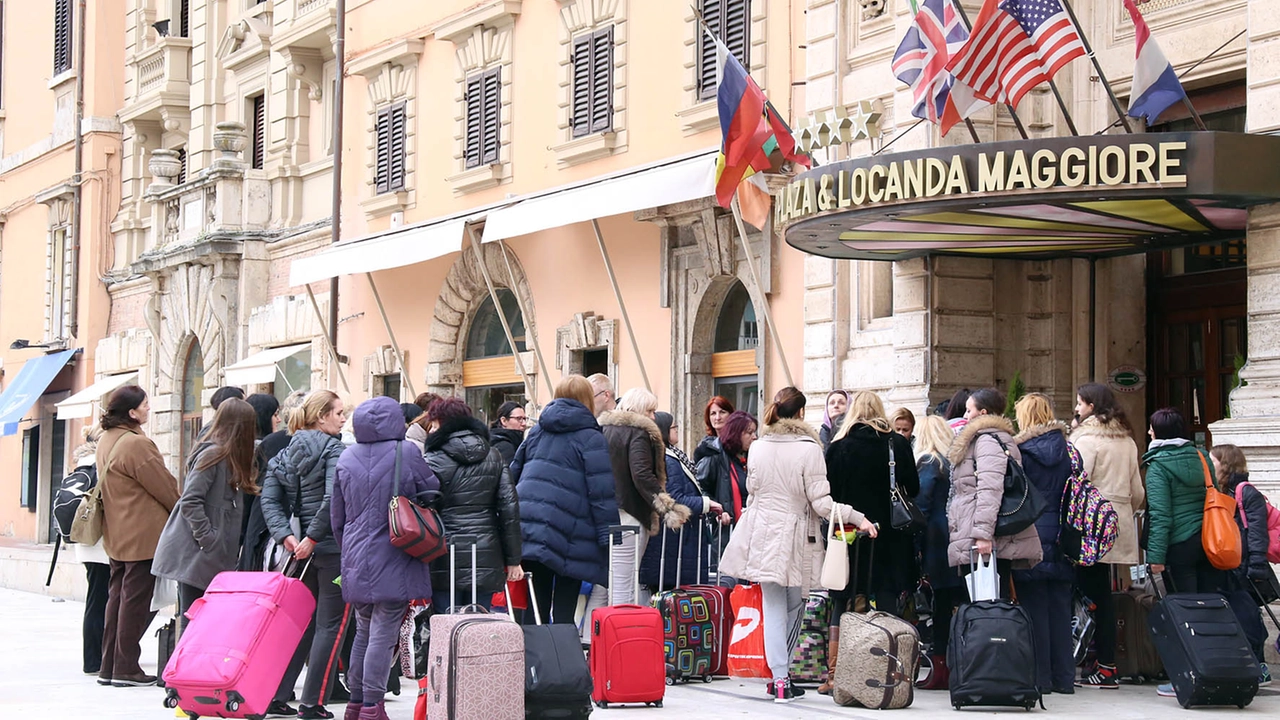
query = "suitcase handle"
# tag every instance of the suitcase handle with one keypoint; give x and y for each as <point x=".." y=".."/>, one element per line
<point x="899" y="675"/>
<point x="195" y="608"/>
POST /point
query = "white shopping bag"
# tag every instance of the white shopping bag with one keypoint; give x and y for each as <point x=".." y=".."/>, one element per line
<point x="983" y="579"/>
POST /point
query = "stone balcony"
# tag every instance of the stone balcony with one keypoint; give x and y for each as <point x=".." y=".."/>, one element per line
<point x="161" y="84"/>
<point x="311" y="24"/>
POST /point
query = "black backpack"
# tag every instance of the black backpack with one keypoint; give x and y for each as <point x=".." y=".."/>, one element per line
<point x="67" y="501"/>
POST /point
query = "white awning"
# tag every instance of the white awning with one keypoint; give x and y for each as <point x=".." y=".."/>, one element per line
<point x="666" y="183"/>
<point x="260" y="367"/>
<point x="395" y="249"/>
<point x="80" y="405"/>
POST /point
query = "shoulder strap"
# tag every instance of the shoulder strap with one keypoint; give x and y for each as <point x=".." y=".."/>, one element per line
<point x="1208" y="476"/>
<point x="893" y="467"/>
<point x="395" y="483"/>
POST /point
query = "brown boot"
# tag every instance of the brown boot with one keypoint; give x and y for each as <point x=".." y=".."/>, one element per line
<point x="939" y="676"/>
<point x="833" y="649"/>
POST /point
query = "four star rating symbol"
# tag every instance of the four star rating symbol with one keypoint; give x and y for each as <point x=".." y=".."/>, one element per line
<point x="858" y="121"/>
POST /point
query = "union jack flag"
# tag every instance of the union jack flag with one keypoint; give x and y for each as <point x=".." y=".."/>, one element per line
<point x="1015" y="46"/>
<point x="921" y="60"/>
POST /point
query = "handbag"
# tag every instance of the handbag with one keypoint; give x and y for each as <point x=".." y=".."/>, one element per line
<point x="904" y="515"/>
<point x="1021" y="504"/>
<point x="86" y="527"/>
<point x="835" y="564"/>
<point x="1219" y="535"/>
<point x="415" y="529"/>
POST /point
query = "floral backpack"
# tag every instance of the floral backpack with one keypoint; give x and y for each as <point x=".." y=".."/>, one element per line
<point x="1089" y="524"/>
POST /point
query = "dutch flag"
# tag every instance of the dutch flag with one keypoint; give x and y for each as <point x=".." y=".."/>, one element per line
<point x="1155" y="84"/>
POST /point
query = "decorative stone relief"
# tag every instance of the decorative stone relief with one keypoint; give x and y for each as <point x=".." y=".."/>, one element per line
<point x="587" y="331"/>
<point x="872" y="9"/>
<point x="381" y="362"/>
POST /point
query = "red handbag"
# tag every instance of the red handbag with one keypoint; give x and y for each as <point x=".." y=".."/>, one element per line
<point x="415" y="529"/>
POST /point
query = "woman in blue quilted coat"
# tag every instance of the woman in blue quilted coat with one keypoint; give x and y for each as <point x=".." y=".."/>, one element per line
<point x="378" y="579"/>
<point x="567" y="504"/>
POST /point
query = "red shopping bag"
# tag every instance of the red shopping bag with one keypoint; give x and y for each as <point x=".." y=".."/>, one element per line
<point x="746" y="644"/>
<point x="519" y="594"/>
<point x="420" y="707"/>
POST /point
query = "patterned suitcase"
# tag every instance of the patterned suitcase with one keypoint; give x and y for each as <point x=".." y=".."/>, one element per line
<point x="809" y="658"/>
<point x="878" y="656"/>
<point x="720" y="612"/>
<point x="687" y="628"/>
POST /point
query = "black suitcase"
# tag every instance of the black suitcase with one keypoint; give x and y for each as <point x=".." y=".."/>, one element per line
<point x="557" y="681"/>
<point x="1204" y="650"/>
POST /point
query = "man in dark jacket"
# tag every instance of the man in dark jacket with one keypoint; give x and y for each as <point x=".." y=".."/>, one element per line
<point x="478" y="499"/>
<point x="508" y="430"/>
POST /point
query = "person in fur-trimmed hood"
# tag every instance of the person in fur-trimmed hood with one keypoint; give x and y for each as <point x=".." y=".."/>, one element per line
<point x="637" y="453"/>
<point x="978" y="463"/>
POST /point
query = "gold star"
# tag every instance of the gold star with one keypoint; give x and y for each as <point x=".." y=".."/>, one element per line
<point x="866" y="121"/>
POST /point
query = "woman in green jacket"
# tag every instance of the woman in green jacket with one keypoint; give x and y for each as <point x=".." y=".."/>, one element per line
<point x="1175" y="506"/>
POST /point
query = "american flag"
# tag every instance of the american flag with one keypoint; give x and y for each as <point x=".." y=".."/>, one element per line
<point x="921" y="62"/>
<point x="1015" y="46"/>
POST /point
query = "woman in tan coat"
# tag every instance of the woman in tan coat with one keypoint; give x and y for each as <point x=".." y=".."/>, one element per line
<point x="777" y="542"/>
<point x="978" y="462"/>
<point x="138" y="493"/>
<point x="1111" y="457"/>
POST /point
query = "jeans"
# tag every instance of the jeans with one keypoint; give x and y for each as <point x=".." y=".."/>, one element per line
<point x="556" y="595"/>
<point x="945" y="602"/>
<point x="1188" y="569"/>
<point x="377" y="631"/>
<point x="1049" y="604"/>
<point x="128" y="615"/>
<point x="1095" y="582"/>
<point x="95" y="613"/>
<point x="781" y="608"/>
<point x="320" y="646"/>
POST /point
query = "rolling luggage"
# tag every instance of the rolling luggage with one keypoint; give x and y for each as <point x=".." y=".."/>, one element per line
<point x="809" y="657"/>
<point x="627" y="658"/>
<point x="1204" y="650"/>
<point x="233" y="653"/>
<point x="688" y="629"/>
<point x="878" y="658"/>
<point x="557" y="682"/>
<point x="992" y="654"/>
<point x="1136" y="656"/>
<point x="475" y="666"/>
<point x="721" y="614"/>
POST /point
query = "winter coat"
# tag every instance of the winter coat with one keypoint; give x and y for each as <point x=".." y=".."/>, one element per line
<point x="478" y="498"/>
<point x="202" y="536"/>
<point x="253" y="536"/>
<point x="1175" y="496"/>
<point x="825" y="433"/>
<point x="978" y="465"/>
<point x="565" y="479"/>
<point x="682" y="545"/>
<point x="300" y="483"/>
<point x="417" y="435"/>
<point x="779" y="538"/>
<point x="505" y="442"/>
<point x="858" y="470"/>
<point x="709" y="459"/>
<point x="138" y="493"/>
<point x="935" y="487"/>
<point x="1111" y="458"/>
<point x="1250" y="504"/>
<point x="1047" y="463"/>
<point x="374" y="570"/>
<point x="637" y="453"/>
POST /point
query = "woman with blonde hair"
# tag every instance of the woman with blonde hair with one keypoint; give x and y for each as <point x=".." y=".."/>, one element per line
<point x="295" y="502"/>
<point x="903" y="422"/>
<point x="1045" y="590"/>
<point x="934" y="469"/>
<point x="564" y="479"/>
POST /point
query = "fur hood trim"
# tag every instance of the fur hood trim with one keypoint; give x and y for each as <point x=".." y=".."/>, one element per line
<point x="1094" y="427"/>
<point x="981" y="424"/>
<point x="673" y="513"/>
<point x="791" y="427"/>
<point x="624" y="418"/>
<point x="1035" y="432"/>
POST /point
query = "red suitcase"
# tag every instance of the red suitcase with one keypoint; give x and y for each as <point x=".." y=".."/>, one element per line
<point x="628" y="664"/>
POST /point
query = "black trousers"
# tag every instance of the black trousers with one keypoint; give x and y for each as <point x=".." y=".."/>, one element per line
<point x="556" y="595"/>
<point x="945" y="602"/>
<point x="1095" y="582"/>
<point x="95" y="613"/>
<point x="1188" y="569"/>
<point x="1049" y="604"/>
<point x="321" y="645"/>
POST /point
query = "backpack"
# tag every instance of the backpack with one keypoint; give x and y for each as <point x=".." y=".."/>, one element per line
<point x="65" y="503"/>
<point x="1273" y="523"/>
<point x="1089" y="524"/>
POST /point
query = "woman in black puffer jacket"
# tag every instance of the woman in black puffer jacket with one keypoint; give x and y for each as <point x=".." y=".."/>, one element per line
<point x="478" y="499"/>
<point x="1253" y="580"/>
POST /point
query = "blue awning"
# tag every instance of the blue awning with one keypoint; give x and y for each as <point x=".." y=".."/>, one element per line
<point x="32" y="381"/>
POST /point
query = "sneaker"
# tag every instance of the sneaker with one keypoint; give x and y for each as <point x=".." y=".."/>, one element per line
<point x="1104" y="677"/>
<point x="1166" y="690"/>
<point x="313" y="712"/>
<point x="280" y="709"/>
<point x="1265" y="678"/>
<point x="133" y="681"/>
<point x="796" y="691"/>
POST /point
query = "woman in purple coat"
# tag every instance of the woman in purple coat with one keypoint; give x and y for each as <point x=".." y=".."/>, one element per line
<point x="378" y="579"/>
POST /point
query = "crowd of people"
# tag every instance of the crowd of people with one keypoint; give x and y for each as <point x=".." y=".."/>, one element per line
<point x="749" y="505"/>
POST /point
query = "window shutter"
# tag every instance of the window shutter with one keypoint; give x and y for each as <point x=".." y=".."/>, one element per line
<point x="602" y="80"/>
<point x="61" y="36"/>
<point x="474" y="120"/>
<point x="582" y="79"/>
<point x="184" y="18"/>
<point x="382" y="140"/>
<point x="396" y="146"/>
<point x="713" y="14"/>
<point x="737" y="29"/>
<point x="492" y="112"/>
<point x="259" y="131"/>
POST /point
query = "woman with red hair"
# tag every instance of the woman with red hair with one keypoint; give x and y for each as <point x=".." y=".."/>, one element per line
<point x="714" y="416"/>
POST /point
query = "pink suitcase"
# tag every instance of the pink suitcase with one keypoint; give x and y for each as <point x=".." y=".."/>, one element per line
<point x="233" y="654"/>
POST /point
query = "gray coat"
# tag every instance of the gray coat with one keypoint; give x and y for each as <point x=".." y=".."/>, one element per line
<point x="202" y="535"/>
<point x="299" y="483"/>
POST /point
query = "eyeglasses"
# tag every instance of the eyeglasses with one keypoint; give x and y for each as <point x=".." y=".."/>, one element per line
<point x="603" y="392"/>
<point x="518" y="418"/>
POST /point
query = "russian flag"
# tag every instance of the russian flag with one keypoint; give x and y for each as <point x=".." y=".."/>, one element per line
<point x="744" y="133"/>
<point x="1155" y="84"/>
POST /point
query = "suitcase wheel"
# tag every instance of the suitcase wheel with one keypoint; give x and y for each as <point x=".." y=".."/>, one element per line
<point x="171" y="699"/>
<point x="706" y="678"/>
<point x="232" y="706"/>
<point x="671" y="680"/>
<point x="602" y="704"/>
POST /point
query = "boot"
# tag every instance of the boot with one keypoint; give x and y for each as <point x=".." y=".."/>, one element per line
<point x="353" y="712"/>
<point x="377" y="712"/>
<point x="939" y="677"/>
<point x="828" y="686"/>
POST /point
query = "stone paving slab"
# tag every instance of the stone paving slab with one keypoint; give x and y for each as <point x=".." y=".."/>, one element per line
<point x="40" y="678"/>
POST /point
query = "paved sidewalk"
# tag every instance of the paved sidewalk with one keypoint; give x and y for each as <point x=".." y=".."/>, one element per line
<point x="39" y="678"/>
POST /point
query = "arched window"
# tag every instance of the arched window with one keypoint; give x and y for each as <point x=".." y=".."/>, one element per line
<point x="486" y="338"/>
<point x="192" y="392"/>
<point x="489" y="372"/>
<point x="733" y="360"/>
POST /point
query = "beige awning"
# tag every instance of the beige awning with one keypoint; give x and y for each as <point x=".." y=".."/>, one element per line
<point x="260" y="368"/>
<point x="80" y="405"/>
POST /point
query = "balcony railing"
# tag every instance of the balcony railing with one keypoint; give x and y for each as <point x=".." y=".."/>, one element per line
<point x="164" y="67"/>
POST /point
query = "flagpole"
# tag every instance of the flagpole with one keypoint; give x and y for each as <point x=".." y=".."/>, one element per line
<point x="1115" y="103"/>
<point x="968" y="26"/>
<point x="755" y="281"/>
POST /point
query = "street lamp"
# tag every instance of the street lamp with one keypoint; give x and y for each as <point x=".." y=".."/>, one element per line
<point x="23" y="344"/>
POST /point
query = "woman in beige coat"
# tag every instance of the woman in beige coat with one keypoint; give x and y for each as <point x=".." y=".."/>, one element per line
<point x="777" y="542"/>
<point x="1105" y="443"/>
<point x="978" y="462"/>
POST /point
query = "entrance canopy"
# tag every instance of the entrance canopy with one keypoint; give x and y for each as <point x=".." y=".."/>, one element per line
<point x="1044" y="198"/>
<point x="80" y="405"/>
<point x="28" y="386"/>
<point x="260" y="368"/>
